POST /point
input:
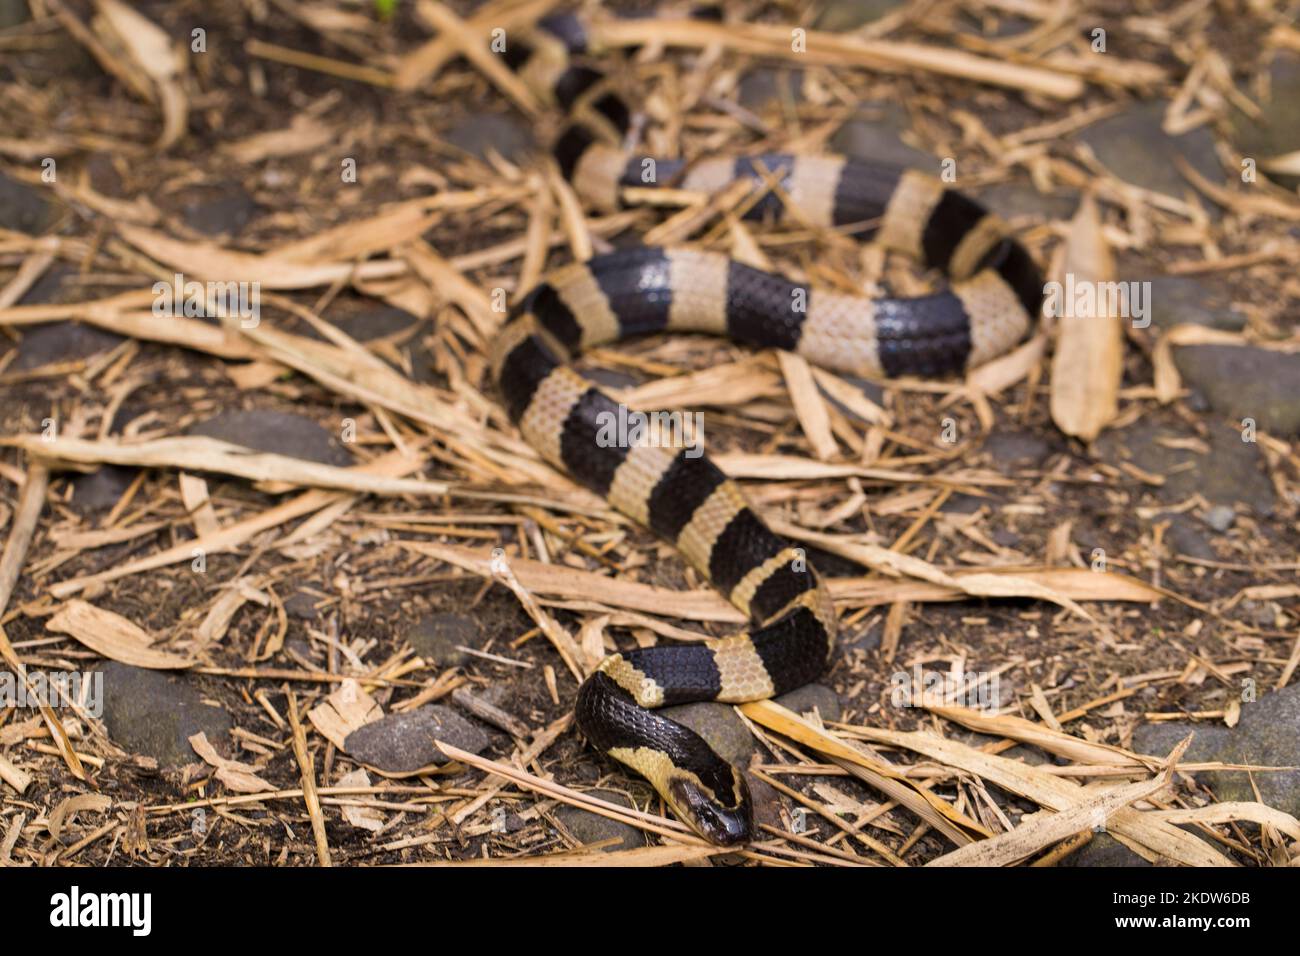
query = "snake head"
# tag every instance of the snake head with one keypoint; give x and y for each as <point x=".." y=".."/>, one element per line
<point x="725" y="818"/>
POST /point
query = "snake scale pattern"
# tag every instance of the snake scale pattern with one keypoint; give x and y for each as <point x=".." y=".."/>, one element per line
<point x="992" y="299"/>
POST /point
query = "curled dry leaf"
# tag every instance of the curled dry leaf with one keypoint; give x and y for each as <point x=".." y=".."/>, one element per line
<point x="343" y="711"/>
<point x="151" y="51"/>
<point x="239" y="777"/>
<point x="114" y="637"/>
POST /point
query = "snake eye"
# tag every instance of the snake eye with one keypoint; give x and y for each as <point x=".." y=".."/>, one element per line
<point x="723" y="825"/>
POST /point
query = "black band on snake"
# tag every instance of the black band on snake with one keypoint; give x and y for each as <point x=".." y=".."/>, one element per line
<point x="992" y="300"/>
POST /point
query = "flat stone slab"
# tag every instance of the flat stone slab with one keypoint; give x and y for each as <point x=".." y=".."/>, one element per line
<point x="1242" y="381"/>
<point x="1132" y="145"/>
<point x="280" y="433"/>
<point x="1268" y="734"/>
<point x="154" y="713"/>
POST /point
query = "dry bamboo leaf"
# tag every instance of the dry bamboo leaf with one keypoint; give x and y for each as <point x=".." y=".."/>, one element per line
<point x="1233" y="811"/>
<point x="1158" y="838"/>
<point x="1053" y="741"/>
<point x="209" y="261"/>
<point x="199" y="453"/>
<point x="935" y="811"/>
<point x="113" y="636"/>
<point x="809" y="407"/>
<point x="1088" y="363"/>
<point x="15" y="776"/>
<point x="561" y="581"/>
<point x="238" y="777"/>
<point x="1042" y="829"/>
<point x="304" y="134"/>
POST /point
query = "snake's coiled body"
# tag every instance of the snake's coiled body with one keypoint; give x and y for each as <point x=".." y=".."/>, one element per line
<point x="992" y="300"/>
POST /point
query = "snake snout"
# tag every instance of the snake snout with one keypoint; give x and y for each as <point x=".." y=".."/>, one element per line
<point x="723" y="825"/>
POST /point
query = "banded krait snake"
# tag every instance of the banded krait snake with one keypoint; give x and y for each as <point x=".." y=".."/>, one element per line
<point x="992" y="299"/>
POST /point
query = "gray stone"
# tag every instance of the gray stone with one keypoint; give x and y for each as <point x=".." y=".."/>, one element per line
<point x="588" y="827"/>
<point x="812" y="697"/>
<point x="437" y="638"/>
<point x="1132" y="145"/>
<point x="61" y="342"/>
<point x="23" y="208"/>
<point x="1246" y="382"/>
<point x="1268" y="734"/>
<point x="402" y="743"/>
<point x="1104" y="850"/>
<point x="1015" y="200"/>
<point x="766" y="801"/>
<point x="13" y="12"/>
<point x="1183" y="536"/>
<point x="503" y="133"/>
<point x="766" y="86"/>
<point x="1018" y="448"/>
<point x="1220" y="518"/>
<point x="302" y="605"/>
<point x="1186" y="300"/>
<point x="840" y="16"/>
<point x="720" y="727"/>
<point x="1277" y="130"/>
<point x="1230" y="473"/>
<point x="102" y="488"/>
<point x="373" y="321"/>
<point x="875" y="134"/>
<point x="154" y="713"/>
<point x="280" y="433"/>
<point x="221" y="209"/>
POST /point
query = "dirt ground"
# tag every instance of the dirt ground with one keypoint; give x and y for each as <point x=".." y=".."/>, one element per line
<point x="1104" y="596"/>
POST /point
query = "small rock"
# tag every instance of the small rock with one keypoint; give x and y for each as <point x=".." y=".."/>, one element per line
<point x="816" y="697"/>
<point x="1220" y="518"/>
<point x="1246" y="382"/>
<point x="61" y="342"/>
<point x="1133" y="146"/>
<point x="302" y="605"/>
<point x="876" y="135"/>
<point x="482" y="132"/>
<point x="402" y="743"/>
<point x="1017" y="448"/>
<point x="102" y="488"/>
<point x="221" y="209"/>
<point x="1104" y="850"/>
<point x="281" y="433"/>
<point x="23" y="208"/>
<point x="1183" y="536"/>
<point x="371" y="322"/>
<point x="721" y="729"/>
<point x="438" y="638"/>
<point x="766" y="86"/>
<point x="154" y="713"/>
<point x="588" y="827"/>
<point x="841" y="16"/>
<point x="13" y="12"/>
